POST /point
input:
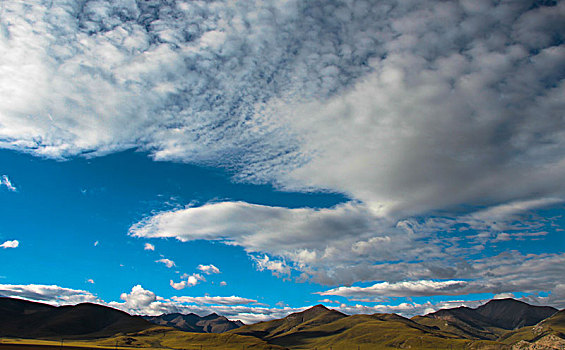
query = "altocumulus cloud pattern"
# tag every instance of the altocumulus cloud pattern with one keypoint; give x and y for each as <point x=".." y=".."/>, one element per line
<point x="406" y="107"/>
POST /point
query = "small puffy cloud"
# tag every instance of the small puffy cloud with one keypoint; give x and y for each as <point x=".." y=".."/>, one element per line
<point x="208" y="269"/>
<point x="169" y="263"/>
<point x="96" y="243"/>
<point x="137" y="300"/>
<point x="193" y="279"/>
<point x="328" y="301"/>
<point x="5" y="181"/>
<point x="223" y="283"/>
<point x="90" y="280"/>
<point x="149" y="246"/>
<point x="10" y="244"/>
<point x="178" y="286"/>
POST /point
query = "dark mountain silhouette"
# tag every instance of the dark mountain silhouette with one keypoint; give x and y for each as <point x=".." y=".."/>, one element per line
<point x="212" y="323"/>
<point x="25" y="319"/>
<point x="488" y="321"/>
<point x="512" y="314"/>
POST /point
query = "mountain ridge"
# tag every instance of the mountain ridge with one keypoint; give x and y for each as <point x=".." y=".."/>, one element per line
<point x="26" y="319"/>
<point x="212" y="323"/>
<point x="316" y="327"/>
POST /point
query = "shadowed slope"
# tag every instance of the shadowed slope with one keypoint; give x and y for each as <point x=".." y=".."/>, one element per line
<point x="512" y="314"/>
<point x="488" y="321"/>
<point x="550" y="330"/>
<point x="24" y="319"/>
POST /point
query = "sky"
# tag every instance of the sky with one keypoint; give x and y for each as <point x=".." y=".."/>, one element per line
<point x="255" y="158"/>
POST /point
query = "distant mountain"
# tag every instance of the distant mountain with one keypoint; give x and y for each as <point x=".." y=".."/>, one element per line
<point x="26" y="319"/>
<point x="512" y="314"/>
<point x="490" y="326"/>
<point x="488" y="321"/>
<point x="317" y="315"/>
<point x="320" y="327"/>
<point x="547" y="334"/>
<point x="212" y="323"/>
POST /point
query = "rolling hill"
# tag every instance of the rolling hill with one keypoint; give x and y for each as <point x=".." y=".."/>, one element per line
<point x="319" y="327"/>
<point x="212" y="323"/>
<point x="25" y="319"/>
<point x="495" y="325"/>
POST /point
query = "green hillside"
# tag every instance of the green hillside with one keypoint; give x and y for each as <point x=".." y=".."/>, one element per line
<point x="324" y="329"/>
<point x="33" y="326"/>
<point x="553" y="326"/>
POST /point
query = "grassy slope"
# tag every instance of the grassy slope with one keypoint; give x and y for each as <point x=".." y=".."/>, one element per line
<point x="459" y="328"/>
<point x="160" y="338"/>
<point x="379" y="331"/>
<point x="555" y="325"/>
<point x="310" y="318"/>
<point x="321" y="329"/>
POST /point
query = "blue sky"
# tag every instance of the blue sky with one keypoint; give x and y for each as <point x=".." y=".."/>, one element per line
<point x="59" y="216"/>
<point x="255" y="158"/>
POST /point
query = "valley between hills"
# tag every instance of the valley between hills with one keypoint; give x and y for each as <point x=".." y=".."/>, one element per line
<point x="499" y="324"/>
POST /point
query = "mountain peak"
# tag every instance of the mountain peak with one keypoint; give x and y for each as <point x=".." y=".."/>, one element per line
<point x="502" y="313"/>
<point x="319" y="307"/>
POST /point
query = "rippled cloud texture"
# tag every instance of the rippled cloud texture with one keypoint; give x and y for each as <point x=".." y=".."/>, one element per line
<point x="406" y="107"/>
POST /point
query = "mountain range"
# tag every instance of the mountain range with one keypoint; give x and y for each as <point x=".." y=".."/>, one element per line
<point x="212" y="323"/>
<point x="26" y="319"/>
<point x="488" y="321"/>
<point x="498" y="324"/>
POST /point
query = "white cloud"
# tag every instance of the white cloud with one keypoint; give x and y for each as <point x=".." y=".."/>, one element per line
<point x="10" y="244"/>
<point x="407" y="309"/>
<point x="168" y="262"/>
<point x="261" y="228"/>
<point x="50" y="294"/>
<point x="223" y="283"/>
<point x="96" y="243"/>
<point x="5" y="181"/>
<point x="232" y="300"/>
<point x="144" y="302"/>
<point x="394" y="104"/>
<point x="401" y="289"/>
<point x="503" y="296"/>
<point x="278" y="267"/>
<point x="178" y="286"/>
<point x="149" y="246"/>
<point x="138" y="300"/>
<point x="208" y="269"/>
<point x="90" y="280"/>
<point x="407" y="108"/>
<point x="192" y="280"/>
<point x="350" y="243"/>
